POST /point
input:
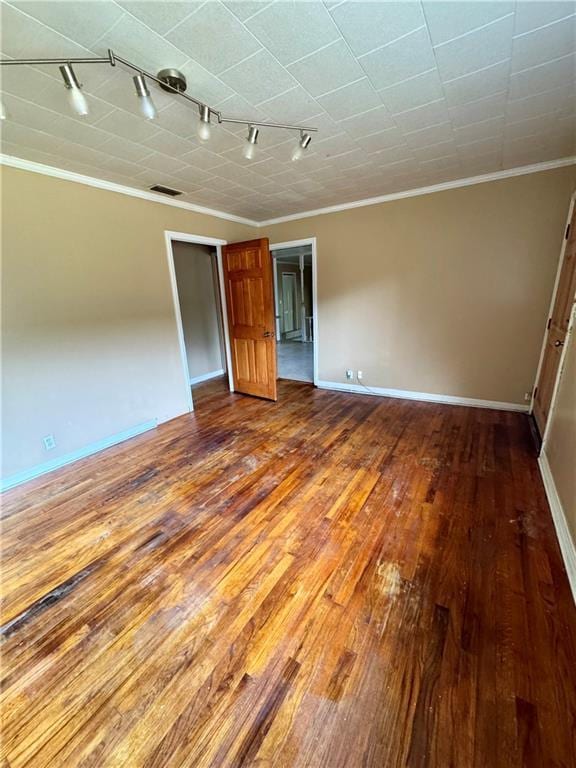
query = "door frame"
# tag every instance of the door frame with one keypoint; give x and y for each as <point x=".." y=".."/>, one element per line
<point x="185" y="237"/>
<point x="545" y="336"/>
<point x="315" y="336"/>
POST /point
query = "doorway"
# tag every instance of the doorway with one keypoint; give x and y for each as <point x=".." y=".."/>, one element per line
<point x="295" y="305"/>
<point x="196" y="277"/>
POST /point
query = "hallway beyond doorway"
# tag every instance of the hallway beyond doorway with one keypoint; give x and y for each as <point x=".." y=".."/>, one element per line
<point x="295" y="360"/>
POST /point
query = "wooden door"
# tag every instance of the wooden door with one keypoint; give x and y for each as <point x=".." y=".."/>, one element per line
<point x="557" y="330"/>
<point x="247" y="271"/>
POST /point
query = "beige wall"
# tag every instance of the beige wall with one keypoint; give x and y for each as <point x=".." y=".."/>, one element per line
<point x="561" y="442"/>
<point x="89" y="335"/>
<point x="199" y="308"/>
<point x="444" y="293"/>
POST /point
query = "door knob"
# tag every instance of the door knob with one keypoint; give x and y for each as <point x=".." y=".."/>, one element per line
<point x="558" y="343"/>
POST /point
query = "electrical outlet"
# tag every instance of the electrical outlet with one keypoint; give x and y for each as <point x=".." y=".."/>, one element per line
<point x="527" y="395"/>
<point x="349" y="373"/>
<point x="49" y="442"/>
<point x="359" y="375"/>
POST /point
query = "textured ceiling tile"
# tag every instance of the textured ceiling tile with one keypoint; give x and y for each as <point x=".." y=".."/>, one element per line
<point x="411" y="55"/>
<point x="328" y="69"/>
<point x="28" y="114"/>
<point x="542" y="45"/>
<point x="477" y="50"/>
<point x="160" y="162"/>
<point x="433" y="134"/>
<point x="480" y="147"/>
<point x="196" y="37"/>
<point x="125" y="149"/>
<point x="478" y="85"/>
<point x="78" y="132"/>
<point x="486" y="129"/>
<point x="531" y="15"/>
<point x="24" y="37"/>
<point x="203" y="85"/>
<point x="167" y="143"/>
<point x="431" y="151"/>
<point x="350" y="100"/>
<point x="244" y="9"/>
<point x="163" y="16"/>
<point x="29" y="137"/>
<point x="370" y="25"/>
<point x="258" y="78"/>
<point x="476" y="111"/>
<point x="120" y="123"/>
<point x="368" y="122"/>
<point x="294" y="106"/>
<point x="414" y="92"/>
<point x="543" y="78"/>
<point x="447" y="20"/>
<point x="83" y="21"/>
<point x="561" y="101"/>
<point x="134" y="41"/>
<point x="382" y="140"/>
<point x="430" y="114"/>
<point x="292" y="29"/>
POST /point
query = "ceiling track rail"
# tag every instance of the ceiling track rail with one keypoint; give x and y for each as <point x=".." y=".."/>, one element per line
<point x="113" y="59"/>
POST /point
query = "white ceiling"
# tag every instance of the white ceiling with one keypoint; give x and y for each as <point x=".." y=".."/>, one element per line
<point x="404" y="94"/>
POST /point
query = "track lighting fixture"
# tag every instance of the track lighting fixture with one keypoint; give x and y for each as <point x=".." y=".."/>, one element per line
<point x="146" y="104"/>
<point x="76" y="98"/>
<point x="170" y="80"/>
<point x="203" y="128"/>
<point x="302" y="145"/>
<point x="251" y="144"/>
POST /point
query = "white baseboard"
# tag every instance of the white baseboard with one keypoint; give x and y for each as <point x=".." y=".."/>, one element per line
<point x="567" y="545"/>
<point x="207" y="376"/>
<point x="49" y="466"/>
<point x="405" y="394"/>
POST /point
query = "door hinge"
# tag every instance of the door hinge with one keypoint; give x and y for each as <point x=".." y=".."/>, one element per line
<point x="549" y="323"/>
<point x="535" y="393"/>
<point x="567" y="235"/>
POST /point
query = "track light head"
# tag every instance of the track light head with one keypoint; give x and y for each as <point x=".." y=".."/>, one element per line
<point x="76" y="98"/>
<point x="251" y="143"/>
<point x="203" y="127"/>
<point x="302" y="146"/>
<point x="146" y="104"/>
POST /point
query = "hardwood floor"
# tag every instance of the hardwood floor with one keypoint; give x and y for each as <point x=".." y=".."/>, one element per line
<point x="331" y="580"/>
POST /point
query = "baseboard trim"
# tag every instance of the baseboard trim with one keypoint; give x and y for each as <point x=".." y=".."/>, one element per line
<point x="207" y="376"/>
<point x="565" y="540"/>
<point x="68" y="458"/>
<point x="428" y="397"/>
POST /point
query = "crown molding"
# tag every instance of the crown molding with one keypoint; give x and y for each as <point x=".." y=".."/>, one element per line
<point x="110" y="186"/>
<point x="143" y="194"/>
<point x="456" y="184"/>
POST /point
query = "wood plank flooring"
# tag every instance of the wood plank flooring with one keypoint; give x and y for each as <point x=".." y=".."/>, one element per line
<point x="331" y="580"/>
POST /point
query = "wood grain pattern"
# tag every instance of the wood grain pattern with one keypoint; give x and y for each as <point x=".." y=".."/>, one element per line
<point x="250" y="301"/>
<point x="334" y="580"/>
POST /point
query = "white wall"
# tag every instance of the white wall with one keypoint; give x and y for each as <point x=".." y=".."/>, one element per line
<point x="200" y="308"/>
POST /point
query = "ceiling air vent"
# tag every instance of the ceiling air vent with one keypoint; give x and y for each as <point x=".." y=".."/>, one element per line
<point x="165" y="190"/>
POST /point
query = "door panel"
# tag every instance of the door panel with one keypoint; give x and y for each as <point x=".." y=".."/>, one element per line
<point x="558" y="326"/>
<point x="249" y="295"/>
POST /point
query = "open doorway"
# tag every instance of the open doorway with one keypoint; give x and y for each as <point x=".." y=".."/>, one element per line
<point x="294" y="299"/>
<point x="195" y="266"/>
